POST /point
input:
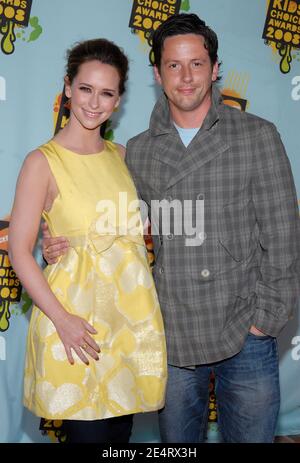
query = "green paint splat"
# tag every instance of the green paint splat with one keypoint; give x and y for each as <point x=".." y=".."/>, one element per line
<point x="285" y="53"/>
<point x="4" y="315"/>
<point x="37" y="29"/>
<point x="27" y="302"/>
<point x="9" y="37"/>
<point x="185" y="5"/>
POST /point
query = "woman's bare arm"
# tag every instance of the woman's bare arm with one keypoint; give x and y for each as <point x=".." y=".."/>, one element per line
<point x="30" y="199"/>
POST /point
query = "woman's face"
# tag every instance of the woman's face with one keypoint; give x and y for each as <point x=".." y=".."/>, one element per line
<point x="94" y="93"/>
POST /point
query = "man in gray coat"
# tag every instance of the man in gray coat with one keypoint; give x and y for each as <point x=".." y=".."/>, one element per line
<point x="225" y="226"/>
<point x="226" y="296"/>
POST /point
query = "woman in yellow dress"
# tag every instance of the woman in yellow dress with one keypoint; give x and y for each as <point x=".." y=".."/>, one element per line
<point x="96" y="347"/>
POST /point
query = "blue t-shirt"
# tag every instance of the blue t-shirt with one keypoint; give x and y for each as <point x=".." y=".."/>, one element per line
<point x="186" y="135"/>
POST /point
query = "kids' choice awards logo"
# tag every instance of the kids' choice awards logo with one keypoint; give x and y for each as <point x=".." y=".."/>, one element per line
<point x="147" y="15"/>
<point x="54" y="429"/>
<point x="282" y="31"/>
<point x="14" y="19"/>
<point x="10" y="286"/>
<point x="61" y="111"/>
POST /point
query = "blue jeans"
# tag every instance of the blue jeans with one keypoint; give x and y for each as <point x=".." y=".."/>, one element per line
<point x="247" y="391"/>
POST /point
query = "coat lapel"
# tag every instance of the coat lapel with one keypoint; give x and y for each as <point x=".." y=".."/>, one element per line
<point x="169" y="150"/>
<point x="165" y="134"/>
<point x="205" y="147"/>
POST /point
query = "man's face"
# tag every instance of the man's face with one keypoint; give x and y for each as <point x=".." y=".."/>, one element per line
<point x="186" y="73"/>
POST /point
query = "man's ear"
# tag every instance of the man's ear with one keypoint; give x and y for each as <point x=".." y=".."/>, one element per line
<point x="215" y="71"/>
<point x="68" y="91"/>
<point x="157" y="75"/>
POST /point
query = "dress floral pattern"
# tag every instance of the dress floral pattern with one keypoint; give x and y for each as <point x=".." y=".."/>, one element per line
<point x="104" y="278"/>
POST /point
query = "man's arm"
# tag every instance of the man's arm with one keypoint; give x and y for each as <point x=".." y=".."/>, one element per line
<point x="277" y="215"/>
<point x="53" y="247"/>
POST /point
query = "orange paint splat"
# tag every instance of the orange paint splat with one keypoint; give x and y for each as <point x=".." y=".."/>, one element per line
<point x="235" y="89"/>
<point x="230" y="92"/>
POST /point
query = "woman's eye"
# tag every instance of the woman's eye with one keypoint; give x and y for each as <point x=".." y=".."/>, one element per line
<point x="85" y="89"/>
<point x="108" y="94"/>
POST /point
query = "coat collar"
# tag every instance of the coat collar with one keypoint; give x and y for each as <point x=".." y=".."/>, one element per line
<point x="206" y="145"/>
<point x="160" y="121"/>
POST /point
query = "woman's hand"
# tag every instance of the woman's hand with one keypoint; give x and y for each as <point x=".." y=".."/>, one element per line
<point x="74" y="334"/>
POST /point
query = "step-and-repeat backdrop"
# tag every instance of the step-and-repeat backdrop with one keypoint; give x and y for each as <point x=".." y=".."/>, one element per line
<point x="260" y="53"/>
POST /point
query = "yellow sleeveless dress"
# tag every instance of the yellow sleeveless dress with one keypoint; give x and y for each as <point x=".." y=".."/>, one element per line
<point x="104" y="278"/>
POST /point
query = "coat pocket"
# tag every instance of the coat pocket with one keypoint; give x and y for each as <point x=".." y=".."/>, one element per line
<point x="237" y="224"/>
<point x="238" y="247"/>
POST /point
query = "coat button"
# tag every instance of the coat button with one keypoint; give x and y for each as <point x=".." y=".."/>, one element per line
<point x="205" y="273"/>
<point x="161" y="270"/>
<point x="170" y="236"/>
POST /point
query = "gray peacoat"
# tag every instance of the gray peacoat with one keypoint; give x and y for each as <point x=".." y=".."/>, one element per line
<point x="242" y="268"/>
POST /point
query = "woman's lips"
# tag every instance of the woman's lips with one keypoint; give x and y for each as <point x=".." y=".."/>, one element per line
<point x="91" y="114"/>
